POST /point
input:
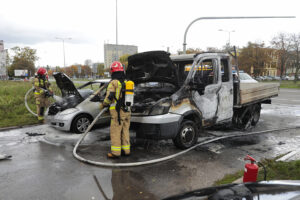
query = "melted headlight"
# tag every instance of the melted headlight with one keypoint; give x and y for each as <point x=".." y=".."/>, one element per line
<point x="162" y="107"/>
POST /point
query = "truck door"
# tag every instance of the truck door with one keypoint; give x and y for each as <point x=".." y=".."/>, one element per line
<point x="225" y="96"/>
<point x="205" y="79"/>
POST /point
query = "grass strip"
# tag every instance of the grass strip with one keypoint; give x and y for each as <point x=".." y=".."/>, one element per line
<point x="275" y="171"/>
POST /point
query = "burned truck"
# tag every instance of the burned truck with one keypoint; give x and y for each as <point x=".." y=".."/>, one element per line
<point x="177" y="96"/>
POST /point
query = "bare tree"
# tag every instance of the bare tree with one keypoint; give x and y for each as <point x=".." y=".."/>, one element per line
<point x="283" y="43"/>
<point x="295" y="55"/>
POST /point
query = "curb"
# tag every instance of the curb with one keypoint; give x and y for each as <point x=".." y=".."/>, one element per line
<point x="17" y="127"/>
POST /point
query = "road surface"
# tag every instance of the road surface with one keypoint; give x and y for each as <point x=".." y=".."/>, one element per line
<point x="42" y="166"/>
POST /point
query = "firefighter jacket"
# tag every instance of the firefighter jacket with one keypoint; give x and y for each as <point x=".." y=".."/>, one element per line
<point x="113" y="94"/>
<point x="41" y="86"/>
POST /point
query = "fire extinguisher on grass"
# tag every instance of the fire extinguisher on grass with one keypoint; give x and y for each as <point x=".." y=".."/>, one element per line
<point x="251" y="170"/>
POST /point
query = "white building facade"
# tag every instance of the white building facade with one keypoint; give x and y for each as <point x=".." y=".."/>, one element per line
<point x="3" y="54"/>
<point x="113" y="52"/>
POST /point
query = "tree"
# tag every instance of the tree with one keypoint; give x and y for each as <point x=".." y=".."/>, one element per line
<point x="100" y="69"/>
<point x="191" y="51"/>
<point x="255" y="56"/>
<point x="23" y="59"/>
<point x="124" y="60"/>
<point x="283" y="43"/>
<point x="295" y="55"/>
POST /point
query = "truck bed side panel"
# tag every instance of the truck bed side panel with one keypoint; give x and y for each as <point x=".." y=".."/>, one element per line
<point x="257" y="91"/>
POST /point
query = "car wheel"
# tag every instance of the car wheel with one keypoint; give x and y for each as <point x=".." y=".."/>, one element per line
<point x="256" y="114"/>
<point x="187" y="135"/>
<point x="81" y="123"/>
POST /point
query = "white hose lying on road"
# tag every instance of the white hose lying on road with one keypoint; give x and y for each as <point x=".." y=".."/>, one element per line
<point x="134" y="164"/>
<point x="26" y="104"/>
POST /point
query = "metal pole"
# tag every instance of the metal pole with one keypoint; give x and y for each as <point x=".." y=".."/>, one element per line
<point x="116" y="31"/>
<point x="203" y="18"/>
<point x="63" y="40"/>
<point x="64" y="52"/>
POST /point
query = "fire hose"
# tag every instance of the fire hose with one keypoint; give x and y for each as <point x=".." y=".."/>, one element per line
<point x="134" y="164"/>
<point x="26" y="104"/>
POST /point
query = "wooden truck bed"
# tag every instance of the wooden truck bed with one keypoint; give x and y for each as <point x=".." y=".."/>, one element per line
<point x="251" y="92"/>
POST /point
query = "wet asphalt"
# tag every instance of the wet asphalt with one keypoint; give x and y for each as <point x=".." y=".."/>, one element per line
<point x="43" y="167"/>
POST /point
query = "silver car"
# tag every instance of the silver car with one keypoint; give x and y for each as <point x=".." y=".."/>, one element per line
<point x="77" y="107"/>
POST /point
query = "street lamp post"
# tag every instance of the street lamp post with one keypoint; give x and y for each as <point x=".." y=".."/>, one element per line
<point x="228" y="34"/>
<point x="63" y="40"/>
<point x="116" y="49"/>
<point x="214" y="18"/>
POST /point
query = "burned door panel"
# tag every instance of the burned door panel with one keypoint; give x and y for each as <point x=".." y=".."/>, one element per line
<point x="225" y="96"/>
<point x="206" y="80"/>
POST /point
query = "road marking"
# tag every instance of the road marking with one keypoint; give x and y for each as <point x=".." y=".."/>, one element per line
<point x="288" y="156"/>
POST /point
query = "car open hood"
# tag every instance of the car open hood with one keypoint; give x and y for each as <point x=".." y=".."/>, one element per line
<point x="152" y="66"/>
<point x="66" y="86"/>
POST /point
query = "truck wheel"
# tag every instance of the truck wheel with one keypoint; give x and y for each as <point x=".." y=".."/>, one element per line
<point x="256" y="114"/>
<point x="81" y="123"/>
<point x="187" y="135"/>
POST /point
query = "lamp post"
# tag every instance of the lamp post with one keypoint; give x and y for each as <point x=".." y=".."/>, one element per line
<point x="214" y="18"/>
<point x="116" y="49"/>
<point x="63" y="40"/>
<point x="228" y="34"/>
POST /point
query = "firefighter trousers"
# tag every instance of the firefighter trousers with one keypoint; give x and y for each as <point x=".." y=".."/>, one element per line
<point x="41" y="104"/>
<point x="119" y="132"/>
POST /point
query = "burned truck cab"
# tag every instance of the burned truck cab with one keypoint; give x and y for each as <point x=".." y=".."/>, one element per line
<point x="176" y="96"/>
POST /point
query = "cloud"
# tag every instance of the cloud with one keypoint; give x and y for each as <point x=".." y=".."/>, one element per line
<point x="19" y="34"/>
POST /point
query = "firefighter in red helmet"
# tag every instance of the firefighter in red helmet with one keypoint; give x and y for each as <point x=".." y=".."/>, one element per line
<point x="42" y="92"/>
<point x="120" y="115"/>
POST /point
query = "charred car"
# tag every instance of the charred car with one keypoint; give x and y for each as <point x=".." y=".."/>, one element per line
<point x="77" y="107"/>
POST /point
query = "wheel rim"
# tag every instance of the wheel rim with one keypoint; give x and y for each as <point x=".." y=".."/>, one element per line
<point x="187" y="135"/>
<point x="82" y="124"/>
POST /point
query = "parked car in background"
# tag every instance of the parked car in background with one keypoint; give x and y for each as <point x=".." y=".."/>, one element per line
<point x="286" y="78"/>
<point x="246" y="78"/>
<point x="77" y="107"/>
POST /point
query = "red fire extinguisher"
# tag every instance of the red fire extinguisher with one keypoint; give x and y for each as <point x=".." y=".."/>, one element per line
<point x="251" y="170"/>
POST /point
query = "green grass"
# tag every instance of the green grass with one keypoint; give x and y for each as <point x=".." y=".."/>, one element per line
<point x="275" y="171"/>
<point x="12" y="107"/>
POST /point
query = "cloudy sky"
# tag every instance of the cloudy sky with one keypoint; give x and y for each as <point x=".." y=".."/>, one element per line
<point x="151" y="25"/>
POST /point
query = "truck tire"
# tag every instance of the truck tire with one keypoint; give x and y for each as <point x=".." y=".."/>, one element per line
<point x="187" y="135"/>
<point x="255" y="114"/>
<point x="81" y="123"/>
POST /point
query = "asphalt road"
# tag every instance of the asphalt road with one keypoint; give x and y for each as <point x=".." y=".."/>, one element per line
<point x="39" y="170"/>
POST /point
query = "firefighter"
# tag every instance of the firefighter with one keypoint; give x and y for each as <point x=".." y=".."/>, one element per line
<point x="42" y="92"/>
<point x="120" y="115"/>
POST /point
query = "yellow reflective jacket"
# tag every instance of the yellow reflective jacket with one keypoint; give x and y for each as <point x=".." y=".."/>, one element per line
<point x="40" y="85"/>
<point x="113" y="93"/>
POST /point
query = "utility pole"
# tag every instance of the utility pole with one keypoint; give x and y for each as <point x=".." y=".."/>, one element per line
<point x="63" y="40"/>
<point x="116" y="49"/>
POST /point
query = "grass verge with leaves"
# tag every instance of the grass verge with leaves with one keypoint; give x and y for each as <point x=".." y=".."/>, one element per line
<point x="12" y="107"/>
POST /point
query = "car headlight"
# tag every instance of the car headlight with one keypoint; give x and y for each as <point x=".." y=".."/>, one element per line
<point x="162" y="107"/>
<point x="69" y="111"/>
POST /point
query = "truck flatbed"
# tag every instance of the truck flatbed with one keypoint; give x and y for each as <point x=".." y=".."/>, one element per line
<point x="251" y="92"/>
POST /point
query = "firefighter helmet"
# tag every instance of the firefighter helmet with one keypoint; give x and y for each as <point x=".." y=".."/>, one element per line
<point x="41" y="71"/>
<point x="116" y="67"/>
